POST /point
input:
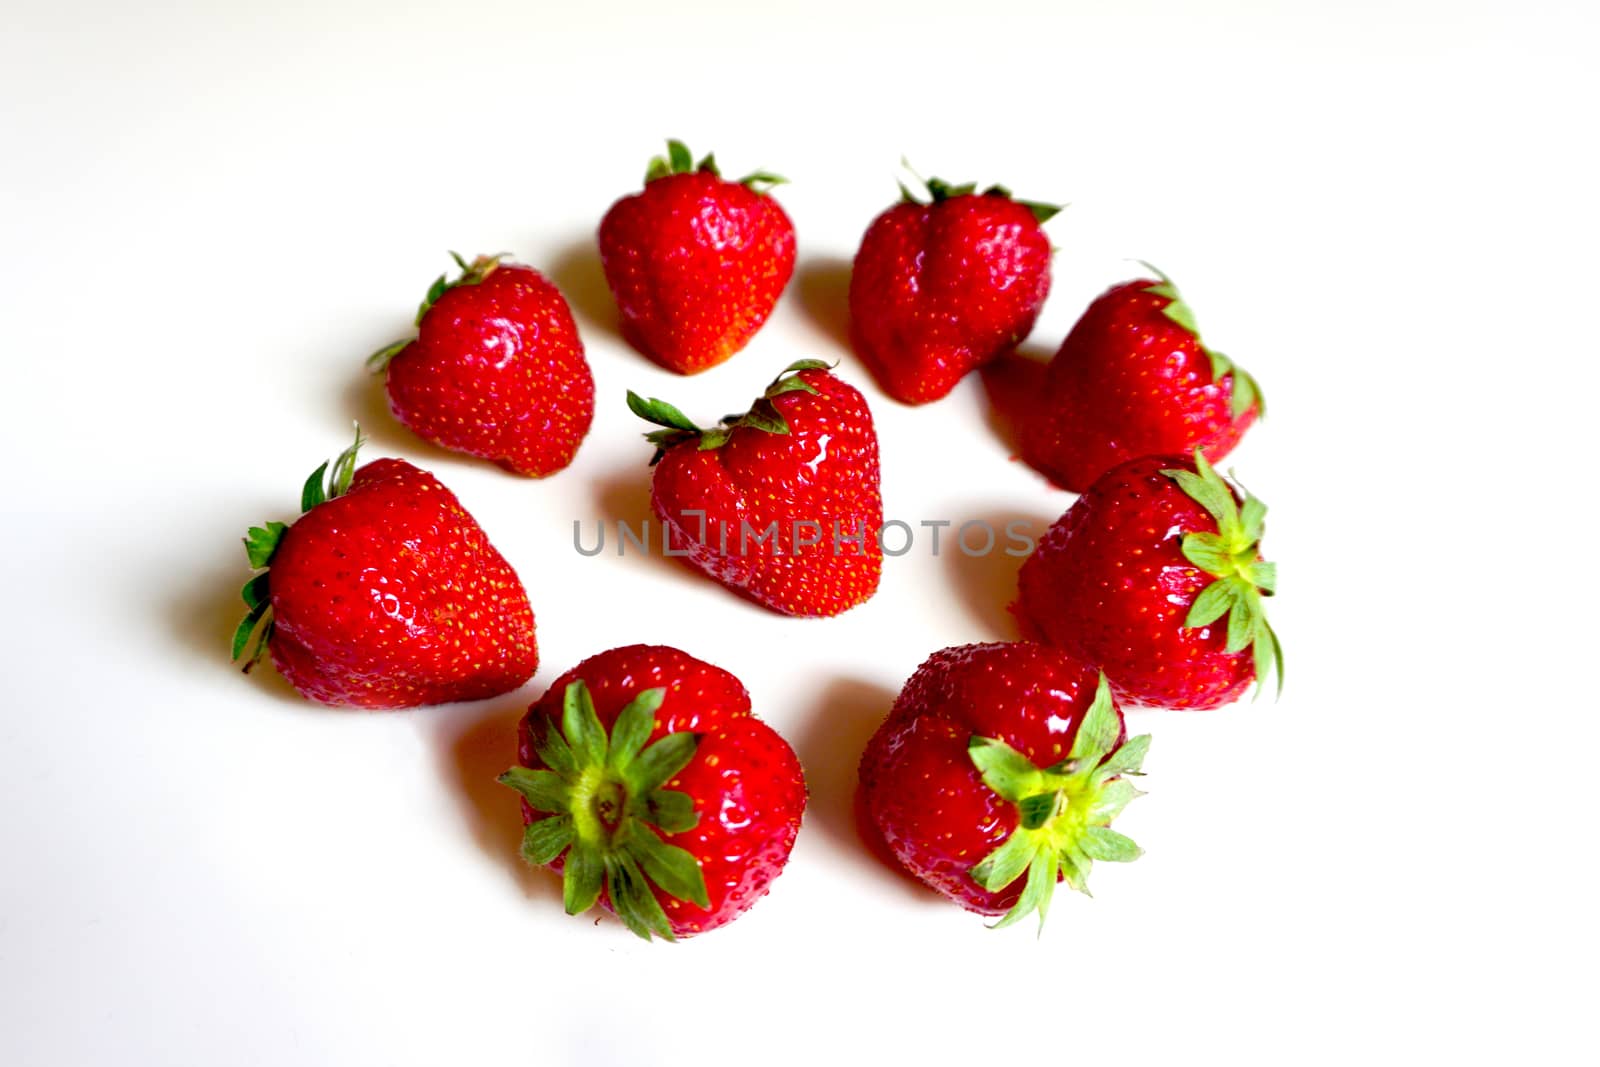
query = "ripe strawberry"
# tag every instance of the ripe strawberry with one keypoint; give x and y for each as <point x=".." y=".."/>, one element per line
<point x="780" y="504"/>
<point x="385" y="594"/>
<point x="940" y="288"/>
<point x="1134" y="379"/>
<point x="649" y="784"/>
<point x="496" y="370"/>
<point x="996" y="760"/>
<point x="1137" y="576"/>
<point x="696" y="263"/>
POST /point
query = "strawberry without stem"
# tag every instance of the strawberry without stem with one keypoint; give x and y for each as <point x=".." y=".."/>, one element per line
<point x="1133" y="379"/>
<point x="649" y="784"/>
<point x="998" y="773"/>
<point x="782" y="503"/>
<point x="385" y="594"/>
<point x="696" y="263"/>
<point x="497" y="369"/>
<point x="1155" y="576"/>
<point x="942" y="287"/>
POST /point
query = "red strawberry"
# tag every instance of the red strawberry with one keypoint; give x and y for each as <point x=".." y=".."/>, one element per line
<point x="696" y="263"/>
<point x="943" y="287"/>
<point x="997" y="760"/>
<point x="1137" y="577"/>
<point x="385" y="594"/>
<point x="649" y="784"/>
<point x="1134" y="379"/>
<point x="496" y="371"/>
<point x="781" y="503"/>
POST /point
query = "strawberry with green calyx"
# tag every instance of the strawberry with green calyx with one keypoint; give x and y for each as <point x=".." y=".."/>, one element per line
<point x="997" y="774"/>
<point x="1155" y="576"/>
<point x="782" y="503"/>
<point x="1134" y="378"/>
<point x="945" y="283"/>
<point x="385" y="593"/>
<point x="497" y="369"/>
<point x="649" y="784"/>
<point x="696" y="262"/>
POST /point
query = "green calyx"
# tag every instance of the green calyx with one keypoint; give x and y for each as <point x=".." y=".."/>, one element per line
<point x="1246" y="390"/>
<point x="679" y="160"/>
<point x="261" y="544"/>
<point x="763" y="414"/>
<point x="605" y="809"/>
<point x="1232" y="556"/>
<point x="936" y="190"/>
<point x="1064" y="811"/>
<point x="471" y="274"/>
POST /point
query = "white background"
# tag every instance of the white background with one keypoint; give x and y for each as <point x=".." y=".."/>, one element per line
<point x="1386" y="212"/>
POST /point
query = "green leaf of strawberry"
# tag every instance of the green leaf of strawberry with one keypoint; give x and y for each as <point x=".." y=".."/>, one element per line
<point x="261" y="544"/>
<point x="678" y="427"/>
<point x="1232" y="557"/>
<point x="936" y="190"/>
<point x="1246" y="391"/>
<point x="679" y="160"/>
<point x="606" y="808"/>
<point x="1063" y="811"/>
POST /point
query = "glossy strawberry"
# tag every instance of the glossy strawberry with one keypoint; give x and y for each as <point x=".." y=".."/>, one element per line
<point x="496" y="370"/>
<point x="696" y="263"/>
<point x="385" y="594"/>
<point x="998" y="773"/>
<point x="649" y="784"/>
<point x="942" y="287"/>
<point x="1155" y="576"/>
<point x="780" y="504"/>
<point x="1134" y="379"/>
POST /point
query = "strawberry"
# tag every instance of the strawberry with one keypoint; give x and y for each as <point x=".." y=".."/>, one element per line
<point x="696" y="263"/>
<point x="942" y="287"/>
<point x="997" y="760"/>
<point x="650" y="786"/>
<point x="781" y="503"/>
<point x="385" y="594"/>
<point x="496" y="369"/>
<point x="1137" y="577"/>
<point x="1134" y="379"/>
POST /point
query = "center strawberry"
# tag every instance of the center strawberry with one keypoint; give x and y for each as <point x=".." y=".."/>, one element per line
<point x="781" y="503"/>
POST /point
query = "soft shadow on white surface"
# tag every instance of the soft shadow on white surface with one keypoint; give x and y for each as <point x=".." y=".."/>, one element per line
<point x="986" y="585"/>
<point x="821" y="288"/>
<point x="475" y="745"/>
<point x="829" y="746"/>
<point x="201" y="618"/>
<point x="576" y="271"/>
<point x="623" y="496"/>
<point x="1009" y="382"/>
